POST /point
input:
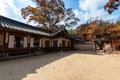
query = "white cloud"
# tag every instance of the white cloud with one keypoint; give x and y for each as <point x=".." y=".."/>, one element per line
<point x="92" y="9"/>
<point x="7" y="8"/>
<point x="88" y="9"/>
<point x="11" y="9"/>
<point x="24" y="3"/>
<point x="90" y="5"/>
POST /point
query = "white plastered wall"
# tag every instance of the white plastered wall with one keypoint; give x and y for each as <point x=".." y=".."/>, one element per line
<point x="42" y="40"/>
<point x="46" y="39"/>
<point x="11" y="41"/>
<point x="60" y="41"/>
<point x="25" y="42"/>
<point x="31" y="42"/>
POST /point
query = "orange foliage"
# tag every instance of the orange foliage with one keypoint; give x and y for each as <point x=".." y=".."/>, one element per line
<point x="116" y="44"/>
<point x="112" y="5"/>
<point x="50" y="13"/>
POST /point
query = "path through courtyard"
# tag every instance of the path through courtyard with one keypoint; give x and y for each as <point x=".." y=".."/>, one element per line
<point x="70" y="65"/>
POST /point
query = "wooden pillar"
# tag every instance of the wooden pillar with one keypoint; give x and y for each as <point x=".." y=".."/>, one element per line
<point x="7" y="54"/>
<point x="30" y="53"/>
<point x="6" y="40"/>
<point x="32" y="42"/>
<point x="39" y="43"/>
<point x="6" y="37"/>
<point x="43" y="43"/>
<point x="51" y="43"/>
<point x="28" y="41"/>
<point x="72" y="44"/>
<point x="59" y="43"/>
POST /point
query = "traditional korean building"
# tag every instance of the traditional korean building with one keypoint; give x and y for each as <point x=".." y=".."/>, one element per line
<point x="17" y="37"/>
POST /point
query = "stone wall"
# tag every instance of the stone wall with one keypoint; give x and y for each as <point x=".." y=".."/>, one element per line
<point x="85" y="46"/>
<point x="116" y="45"/>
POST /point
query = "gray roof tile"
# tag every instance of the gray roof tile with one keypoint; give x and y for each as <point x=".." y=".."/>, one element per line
<point x="15" y="25"/>
<point x="12" y="24"/>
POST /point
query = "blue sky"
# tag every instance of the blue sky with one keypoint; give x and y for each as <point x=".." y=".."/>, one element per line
<point x="83" y="9"/>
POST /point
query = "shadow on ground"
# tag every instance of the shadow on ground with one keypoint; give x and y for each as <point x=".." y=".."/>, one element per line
<point x="20" y="68"/>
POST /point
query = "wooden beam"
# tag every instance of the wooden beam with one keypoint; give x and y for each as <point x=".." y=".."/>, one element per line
<point x="6" y="37"/>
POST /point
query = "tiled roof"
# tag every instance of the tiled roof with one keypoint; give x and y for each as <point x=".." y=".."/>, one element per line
<point x="98" y="39"/>
<point x="15" y="25"/>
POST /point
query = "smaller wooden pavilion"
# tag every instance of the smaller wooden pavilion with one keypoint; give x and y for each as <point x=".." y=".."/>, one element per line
<point x="99" y="42"/>
<point x="17" y="38"/>
<point x="102" y="44"/>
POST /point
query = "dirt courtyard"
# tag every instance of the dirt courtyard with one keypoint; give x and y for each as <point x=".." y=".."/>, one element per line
<point x="69" y="65"/>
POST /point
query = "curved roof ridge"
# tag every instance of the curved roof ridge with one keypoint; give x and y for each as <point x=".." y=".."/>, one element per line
<point x="12" y="24"/>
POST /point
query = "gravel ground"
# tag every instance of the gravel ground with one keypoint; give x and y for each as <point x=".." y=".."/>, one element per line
<point x="69" y="65"/>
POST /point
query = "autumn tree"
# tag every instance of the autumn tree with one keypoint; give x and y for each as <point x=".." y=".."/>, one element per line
<point x="50" y="14"/>
<point x="81" y="30"/>
<point x="102" y="28"/>
<point x="94" y="28"/>
<point x="112" y="5"/>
